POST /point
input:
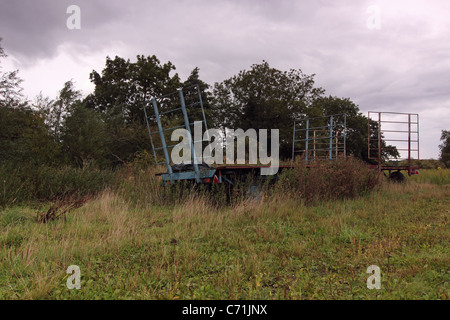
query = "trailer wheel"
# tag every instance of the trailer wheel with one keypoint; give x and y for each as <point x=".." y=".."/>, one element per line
<point x="397" y="176"/>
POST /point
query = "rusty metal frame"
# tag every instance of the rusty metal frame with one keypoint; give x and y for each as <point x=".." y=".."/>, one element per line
<point x="411" y="138"/>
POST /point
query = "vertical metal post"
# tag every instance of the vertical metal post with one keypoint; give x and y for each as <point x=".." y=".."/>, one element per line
<point x="314" y="145"/>
<point x="345" y="135"/>
<point x="331" y="138"/>
<point x="379" y="141"/>
<point x="188" y="128"/>
<point x="201" y="105"/>
<point x="150" y="134"/>
<point x="368" y="136"/>
<point x="307" y="140"/>
<point x="204" y="119"/>
<point x="418" y="155"/>
<point x="293" y="144"/>
<point x="409" y="144"/>
<point x="336" y="145"/>
<point x="161" y="133"/>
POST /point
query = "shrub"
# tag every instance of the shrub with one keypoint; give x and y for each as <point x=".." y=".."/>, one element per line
<point x="342" y="178"/>
<point x="43" y="183"/>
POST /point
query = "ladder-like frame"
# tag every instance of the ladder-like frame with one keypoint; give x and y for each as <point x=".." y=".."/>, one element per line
<point x="157" y="104"/>
<point x="333" y="143"/>
<point x="405" y="129"/>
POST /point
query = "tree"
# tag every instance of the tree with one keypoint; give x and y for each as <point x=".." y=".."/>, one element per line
<point x="264" y="98"/>
<point x="67" y="96"/>
<point x="84" y="137"/>
<point x="24" y="137"/>
<point x="55" y="111"/>
<point x="206" y="96"/>
<point x="123" y="87"/>
<point x="356" y="123"/>
<point x="445" y="148"/>
<point x="10" y="89"/>
<point x="23" y="133"/>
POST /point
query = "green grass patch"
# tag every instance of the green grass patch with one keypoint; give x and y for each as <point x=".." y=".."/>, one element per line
<point x="273" y="248"/>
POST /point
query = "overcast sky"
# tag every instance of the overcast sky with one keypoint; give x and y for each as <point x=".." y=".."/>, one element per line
<point x="383" y="55"/>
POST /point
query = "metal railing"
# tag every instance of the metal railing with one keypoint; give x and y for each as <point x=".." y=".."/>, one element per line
<point x="320" y="138"/>
<point x="392" y="133"/>
<point x="182" y="100"/>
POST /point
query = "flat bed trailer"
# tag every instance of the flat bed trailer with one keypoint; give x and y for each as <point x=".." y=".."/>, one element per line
<point x="320" y="138"/>
<point x="401" y="129"/>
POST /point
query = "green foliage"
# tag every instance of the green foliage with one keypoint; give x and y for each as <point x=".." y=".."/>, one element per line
<point x="27" y="183"/>
<point x="121" y="91"/>
<point x="13" y="217"/>
<point x="267" y="98"/>
<point x="85" y="137"/>
<point x="123" y="87"/>
<point x="24" y="137"/>
<point x="272" y="249"/>
<point x="62" y="107"/>
<point x="445" y="148"/>
<point x="10" y="89"/>
<point x="424" y="164"/>
<point x="323" y="180"/>
<point x="264" y="98"/>
<point x="195" y="114"/>
<point x="357" y="133"/>
<point x="438" y="176"/>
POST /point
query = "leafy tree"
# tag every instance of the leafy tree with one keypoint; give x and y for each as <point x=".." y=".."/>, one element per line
<point x="445" y="148"/>
<point x="84" y="137"/>
<point x="265" y="98"/>
<point x="55" y="111"/>
<point x="206" y="96"/>
<point x="121" y="91"/>
<point x="123" y="87"/>
<point x="23" y="133"/>
<point x="357" y="126"/>
<point x="24" y="137"/>
<point x="67" y="96"/>
<point x="10" y="89"/>
<point x="356" y="122"/>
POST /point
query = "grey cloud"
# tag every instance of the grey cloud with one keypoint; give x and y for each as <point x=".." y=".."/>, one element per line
<point x="402" y="67"/>
<point x="34" y="29"/>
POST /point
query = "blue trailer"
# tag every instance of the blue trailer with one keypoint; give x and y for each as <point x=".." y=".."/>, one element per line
<point x="314" y="139"/>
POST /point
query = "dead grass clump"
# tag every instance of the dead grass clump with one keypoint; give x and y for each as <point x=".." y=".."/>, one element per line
<point x="322" y="180"/>
<point x="61" y="207"/>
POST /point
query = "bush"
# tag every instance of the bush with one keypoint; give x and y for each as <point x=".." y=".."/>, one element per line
<point x="343" y="178"/>
<point x="22" y="183"/>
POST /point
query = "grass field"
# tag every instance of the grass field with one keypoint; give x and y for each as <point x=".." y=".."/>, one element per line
<point x="275" y="248"/>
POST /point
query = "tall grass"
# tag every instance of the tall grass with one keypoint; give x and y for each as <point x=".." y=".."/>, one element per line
<point x="24" y="183"/>
<point x="435" y="176"/>
<point x="343" y="178"/>
<point x="339" y="179"/>
<point x="273" y="248"/>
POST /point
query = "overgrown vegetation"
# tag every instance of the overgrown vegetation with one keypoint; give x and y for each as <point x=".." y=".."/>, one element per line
<point x="445" y="148"/>
<point x="323" y="180"/>
<point x="77" y="188"/>
<point x="273" y="248"/>
<point x="28" y="183"/>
